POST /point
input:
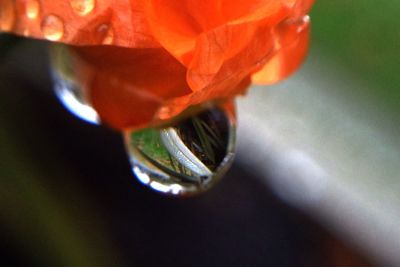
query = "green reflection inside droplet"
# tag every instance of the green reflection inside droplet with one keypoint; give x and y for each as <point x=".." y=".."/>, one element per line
<point x="192" y="153"/>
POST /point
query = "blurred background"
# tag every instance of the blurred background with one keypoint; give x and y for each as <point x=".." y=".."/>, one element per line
<point x="316" y="181"/>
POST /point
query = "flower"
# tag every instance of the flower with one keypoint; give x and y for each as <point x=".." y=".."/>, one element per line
<point x="146" y="61"/>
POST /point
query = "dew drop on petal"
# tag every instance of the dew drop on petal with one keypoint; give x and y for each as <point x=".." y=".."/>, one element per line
<point x="302" y="23"/>
<point x="82" y="7"/>
<point x="105" y="34"/>
<point x="32" y="8"/>
<point x="66" y="87"/>
<point x="289" y="29"/>
<point x="7" y="15"/>
<point x="52" y="27"/>
<point x="185" y="158"/>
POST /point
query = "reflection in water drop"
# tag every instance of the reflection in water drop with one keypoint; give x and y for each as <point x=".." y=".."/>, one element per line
<point x="67" y="89"/>
<point x="82" y="7"/>
<point x="7" y="15"/>
<point x="32" y="8"/>
<point x="52" y="28"/>
<point x="105" y="34"/>
<point x="186" y="158"/>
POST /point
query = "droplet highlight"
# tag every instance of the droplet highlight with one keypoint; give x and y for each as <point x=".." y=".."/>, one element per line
<point x="105" y="34"/>
<point x="52" y="28"/>
<point x="7" y="16"/>
<point x="32" y="8"/>
<point x="66" y="87"/>
<point x="186" y="158"/>
<point x="82" y="7"/>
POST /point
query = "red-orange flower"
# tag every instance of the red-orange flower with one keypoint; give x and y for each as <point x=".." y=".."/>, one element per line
<point x="149" y="60"/>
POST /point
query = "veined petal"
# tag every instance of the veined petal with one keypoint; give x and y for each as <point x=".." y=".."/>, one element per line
<point x="145" y="61"/>
<point x="180" y="25"/>
<point x="291" y="46"/>
<point x="127" y="86"/>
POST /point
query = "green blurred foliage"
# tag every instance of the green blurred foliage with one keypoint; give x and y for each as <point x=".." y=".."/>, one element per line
<point x="52" y="224"/>
<point x="363" y="38"/>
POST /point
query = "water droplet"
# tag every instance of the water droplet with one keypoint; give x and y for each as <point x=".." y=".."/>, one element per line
<point x="26" y="32"/>
<point x="185" y="158"/>
<point x="82" y="7"/>
<point x="32" y="8"/>
<point x="105" y="34"/>
<point x="7" y="16"/>
<point x="52" y="28"/>
<point x="303" y="23"/>
<point x="68" y="90"/>
<point x="289" y="30"/>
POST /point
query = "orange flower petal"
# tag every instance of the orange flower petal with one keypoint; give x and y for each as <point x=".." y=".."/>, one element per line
<point x="127" y="86"/>
<point x="179" y="25"/>
<point x="291" y="41"/>
<point x="221" y="55"/>
<point x="126" y="96"/>
<point x="163" y="56"/>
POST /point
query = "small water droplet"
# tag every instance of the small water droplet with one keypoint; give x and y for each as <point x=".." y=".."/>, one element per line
<point x="26" y="32"/>
<point x="105" y="34"/>
<point x="186" y="158"/>
<point x="68" y="90"/>
<point x="289" y="29"/>
<point x="32" y="8"/>
<point x="82" y="7"/>
<point x="52" y="28"/>
<point x="7" y="15"/>
<point x="302" y="23"/>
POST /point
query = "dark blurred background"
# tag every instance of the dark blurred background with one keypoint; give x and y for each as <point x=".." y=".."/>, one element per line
<point x="68" y="198"/>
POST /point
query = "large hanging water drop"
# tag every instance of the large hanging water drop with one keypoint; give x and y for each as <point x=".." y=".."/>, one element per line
<point x="66" y="87"/>
<point x="186" y="158"/>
